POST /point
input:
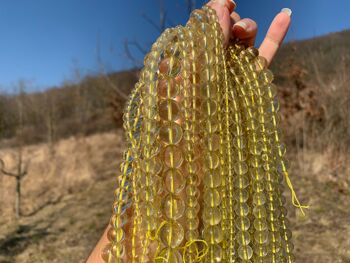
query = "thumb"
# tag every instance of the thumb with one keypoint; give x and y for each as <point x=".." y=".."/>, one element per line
<point x="223" y="10"/>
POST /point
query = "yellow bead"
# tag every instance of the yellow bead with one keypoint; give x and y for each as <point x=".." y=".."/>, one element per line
<point x="172" y="234"/>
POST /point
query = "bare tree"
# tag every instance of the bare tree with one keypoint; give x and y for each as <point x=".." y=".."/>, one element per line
<point x="20" y="171"/>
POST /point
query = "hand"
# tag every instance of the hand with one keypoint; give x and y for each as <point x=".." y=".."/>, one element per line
<point x="246" y="29"/>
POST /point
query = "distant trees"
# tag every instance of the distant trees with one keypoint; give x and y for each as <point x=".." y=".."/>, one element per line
<point x="83" y="108"/>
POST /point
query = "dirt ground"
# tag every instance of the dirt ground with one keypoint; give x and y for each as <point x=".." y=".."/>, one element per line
<point x="66" y="229"/>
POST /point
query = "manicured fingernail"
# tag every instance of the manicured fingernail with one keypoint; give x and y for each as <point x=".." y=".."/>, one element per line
<point x="241" y="24"/>
<point x="286" y="10"/>
<point x="233" y="2"/>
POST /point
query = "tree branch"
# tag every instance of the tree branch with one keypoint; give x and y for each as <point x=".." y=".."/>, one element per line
<point x="2" y="169"/>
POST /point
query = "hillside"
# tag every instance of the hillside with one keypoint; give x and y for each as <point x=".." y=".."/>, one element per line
<point x="68" y="192"/>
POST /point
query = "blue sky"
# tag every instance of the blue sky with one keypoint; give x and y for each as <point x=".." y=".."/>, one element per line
<point x="45" y="41"/>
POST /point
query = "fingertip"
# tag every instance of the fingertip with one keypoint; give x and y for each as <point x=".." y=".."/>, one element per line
<point x="245" y="28"/>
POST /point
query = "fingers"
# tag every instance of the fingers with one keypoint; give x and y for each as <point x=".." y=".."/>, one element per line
<point x="245" y="30"/>
<point x="235" y="17"/>
<point x="275" y="35"/>
<point x="223" y="10"/>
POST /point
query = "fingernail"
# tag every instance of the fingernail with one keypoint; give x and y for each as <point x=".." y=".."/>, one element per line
<point x="241" y="24"/>
<point x="233" y="2"/>
<point x="286" y="10"/>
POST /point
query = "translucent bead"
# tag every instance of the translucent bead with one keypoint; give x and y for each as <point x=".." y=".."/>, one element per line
<point x="192" y="190"/>
<point x="260" y="224"/>
<point x="241" y="196"/>
<point x="259" y="199"/>
<point x="212" y="178"/>
<point x="212" y="216"/>
<point x="169" y="255"/>
<point x="149" y="223"/>
<point x="213" y="234"/>
<point x="174" y="181"/>
<point x="169" y="110"/>
<point x="261" y="237"/>
<point x="240" y="168"/>
<point x="107" y="254"/>
<point x="172" y="234"/>
<point x="245" y="252"/>
<point x="212" y="160"/>
<point x="209" y="107"/>
<point x="266" y="76"/>
<point x="170" y="133"/>
<point x="170" y="66"/>
<point x="152" y="166"/>
<point x="111" y="234"/>
<point x="167" y="88"/>
<point x="192" y="234"/>
<point x="192" y="223"/>
<point x="173" y="156"/>
<point x="212" y="197"/>
<point x="241" y="182"/>
<point x="280" y="149"/>
<point x="243" y="223"/>
<point x="259" y="211"/>
<point x="215" y="253"/>
<point x="243" y="238"/>
<point x="173" y="207"/>
<point x="258" y="186"/>
<point x="261" y="251"/>
<point x="270" y="90"/>
<point x="212" y="142"/>
<point x="261" y="63"/>
<point x="199" y="15"/>
<point x="242" y="209"/>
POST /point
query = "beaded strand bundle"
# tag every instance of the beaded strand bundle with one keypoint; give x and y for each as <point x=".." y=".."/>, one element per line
<point x="202" y="176"/>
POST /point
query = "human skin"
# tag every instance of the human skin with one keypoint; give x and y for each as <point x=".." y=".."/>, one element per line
<point x="233" y="27"/>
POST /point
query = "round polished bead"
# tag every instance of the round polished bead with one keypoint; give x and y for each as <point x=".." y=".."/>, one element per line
<point x="242" y="209"/>
<point x="259" y="199"/>
<point x="192" y="223"/>
<point x="261" y="237"/>
<point x="167" y="88"/>
<point x="213" y="234"/>
<point x="212" y="215"/>
<point x="169" y="110"/>
<point x="172" y="234"/>
<point x="212" y="178"/>
<point x="212" y="142"/>
<point x="243" y="237"/>
<point x="170" y="133"/>
<point x="169" y="255"/>
<point x="173" y="157"/>
<point x="209" y="107"/>
<point x="212" y="160"/>
<point x="241" y="182"/>
<point x="245" y="252"/>
<point x="259" y="211"/>
<point x="215" y="253"/>
<point x="151" y="166"/>
<point x="243" y="223"/>
<point x="241" y="196"/>
<point x="260" y="224"/>
<point x="174" y="181"/>
<point x="170" y="66"/>
<point x="173" y="207"/>
<point x="240" y="168"/>
<point x="212" y="197"/>
<point x="266" y="76"/>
